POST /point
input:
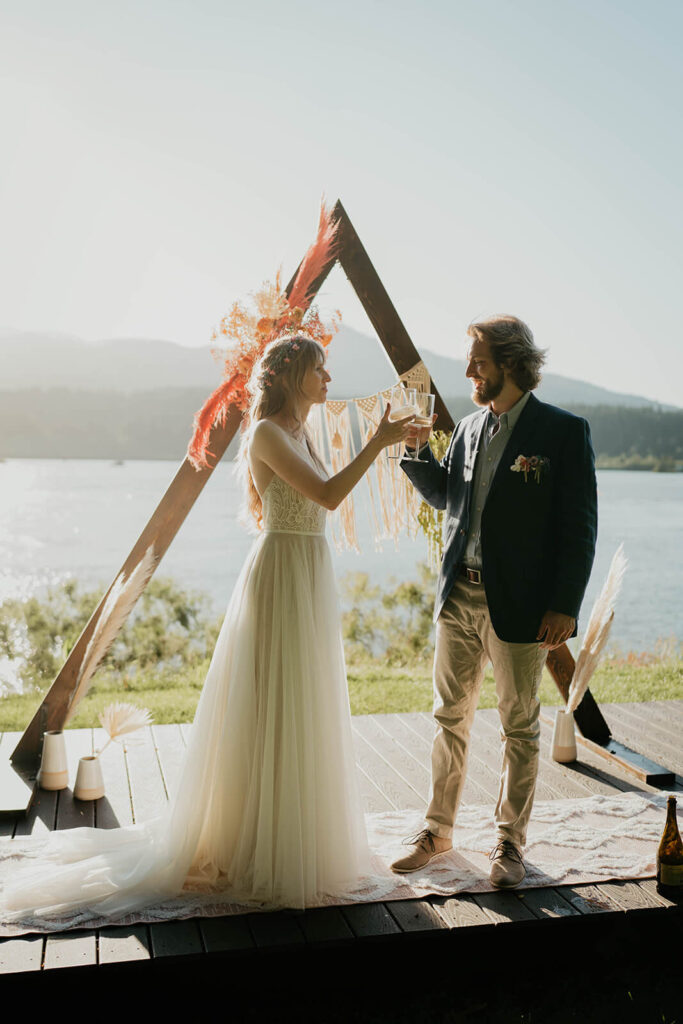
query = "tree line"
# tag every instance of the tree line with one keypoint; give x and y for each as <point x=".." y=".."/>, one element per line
<point x="60" y="423"/>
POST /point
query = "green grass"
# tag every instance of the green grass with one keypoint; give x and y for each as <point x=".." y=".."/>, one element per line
<point x="374" y="688"/>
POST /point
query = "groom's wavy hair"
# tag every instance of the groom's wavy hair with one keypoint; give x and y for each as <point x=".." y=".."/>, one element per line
<point x="512" y="347"/>
<point x="276" y="381"/>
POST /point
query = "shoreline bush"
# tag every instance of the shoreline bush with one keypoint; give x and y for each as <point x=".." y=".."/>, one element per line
<point x="161" y="657"/>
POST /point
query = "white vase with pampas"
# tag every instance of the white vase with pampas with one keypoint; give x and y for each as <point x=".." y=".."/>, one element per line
<point x="564" y="737"/>
<point x="597" y="632"/>
<point x="89" y="779"/>
<point x="118" y="720"/>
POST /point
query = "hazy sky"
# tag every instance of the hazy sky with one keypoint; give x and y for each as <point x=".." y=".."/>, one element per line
<point x="161" y="159"/>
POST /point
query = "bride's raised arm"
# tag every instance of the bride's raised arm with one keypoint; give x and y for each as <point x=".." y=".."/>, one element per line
<point x="268" y="444"/>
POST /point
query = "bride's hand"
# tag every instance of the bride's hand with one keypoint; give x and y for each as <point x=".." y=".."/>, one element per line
<point x="392" y="431"/>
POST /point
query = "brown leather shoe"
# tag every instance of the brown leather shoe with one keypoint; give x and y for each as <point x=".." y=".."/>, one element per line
<point x="507" y="866"/>
<point x="424" y="847"/>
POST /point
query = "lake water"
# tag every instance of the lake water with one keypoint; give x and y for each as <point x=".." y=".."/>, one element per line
<point x="61" y="518"/>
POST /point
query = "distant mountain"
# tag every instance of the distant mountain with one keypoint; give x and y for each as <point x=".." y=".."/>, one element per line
<point x="357" y="363"/>
<point x="351" y="350"/>
<point x="32" y="360"/>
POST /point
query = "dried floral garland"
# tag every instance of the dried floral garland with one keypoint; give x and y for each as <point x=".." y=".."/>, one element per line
<point x="249" y="330"/>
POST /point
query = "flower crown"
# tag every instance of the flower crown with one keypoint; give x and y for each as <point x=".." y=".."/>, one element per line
<point x="277" y="365"/>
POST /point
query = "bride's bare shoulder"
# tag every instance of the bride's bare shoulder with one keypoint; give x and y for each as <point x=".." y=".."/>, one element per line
<point x="263" y="429"/>
<point x="265" y="434"/>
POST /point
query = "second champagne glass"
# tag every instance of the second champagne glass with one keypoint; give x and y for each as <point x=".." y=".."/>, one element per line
<point x="403" y="403"/>
<point x="425" y="408"/>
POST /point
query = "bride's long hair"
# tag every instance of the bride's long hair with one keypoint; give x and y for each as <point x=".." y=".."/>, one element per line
<point x="275" y="384"/>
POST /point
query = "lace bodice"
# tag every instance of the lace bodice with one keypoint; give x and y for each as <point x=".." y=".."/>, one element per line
<point x="286" y="510"/>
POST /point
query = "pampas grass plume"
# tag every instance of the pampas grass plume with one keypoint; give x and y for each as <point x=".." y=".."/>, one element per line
<point x="121" y="719"/>
<point x="122" y="597"/>
<point x="597" y="631"/>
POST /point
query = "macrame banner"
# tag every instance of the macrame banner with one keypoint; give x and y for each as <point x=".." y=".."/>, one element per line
<point x="340" y="429"/>
<point x="417" y="377"/>
<point x="334" y="430"/>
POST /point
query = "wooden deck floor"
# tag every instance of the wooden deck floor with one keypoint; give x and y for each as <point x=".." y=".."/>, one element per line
<point x="393" y="759"/>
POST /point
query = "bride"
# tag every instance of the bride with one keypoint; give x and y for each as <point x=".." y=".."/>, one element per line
<point x="267" y="809"/>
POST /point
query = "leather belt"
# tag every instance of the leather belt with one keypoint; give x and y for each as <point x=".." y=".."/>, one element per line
<point x="471" y="575"/>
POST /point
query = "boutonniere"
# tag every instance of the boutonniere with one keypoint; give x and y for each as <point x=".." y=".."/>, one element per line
<point x="536" y="464"/>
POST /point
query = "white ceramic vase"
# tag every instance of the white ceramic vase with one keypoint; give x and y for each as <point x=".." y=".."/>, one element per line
<point x="89" y="781"/>
<point x="53" y="772"/>
<point x="564" y="737"/>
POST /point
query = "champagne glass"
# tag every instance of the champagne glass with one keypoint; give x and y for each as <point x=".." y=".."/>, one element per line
<point x="403" y="403"/>
<point x="425" y="407"/>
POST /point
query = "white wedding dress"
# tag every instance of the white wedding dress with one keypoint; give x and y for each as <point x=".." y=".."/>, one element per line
<point x="267" y="809"/>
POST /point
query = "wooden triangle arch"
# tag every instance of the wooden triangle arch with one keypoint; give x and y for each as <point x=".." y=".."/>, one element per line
<point x="188" y="484"/>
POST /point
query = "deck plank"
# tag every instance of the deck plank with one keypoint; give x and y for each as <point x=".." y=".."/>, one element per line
<point x="114" y="809"/>
<point x="325" y="924"/>
<point x="175" y="938"/>
<point x="416" y="915"/>
<point x="124" y="943"/>
<point x="548" y="902"/>
<point x="169" y="744"/>
<point x="374" y="800"/>
<point x="460" y="911"/>
<point x="674" y="707"/>
<point x="42" y="815"/>
<point x="393" y="787"/>
<point x="71" y="949"/>
<point x="644" y="737"/>
<point x="25" y="953"/>
<point x="646" y="722"/>
<point x="148" y="792"/>
<point x="226" y="934"/>
<point x="8" y="741"/>
<point x="649" y="886"/>
<point x="73" y="813"/>
<point x="369" y="919"/>
<point x="663" y="717"/>
<point x="278" y="930"/>
<point x="629" y="895"/>
<point x="588" y="899"/>
<point x="503" y="907"/>
<point x="395" y="755"/>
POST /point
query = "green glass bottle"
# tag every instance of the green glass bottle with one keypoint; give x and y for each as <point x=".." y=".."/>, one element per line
<point x="670" y="855"/>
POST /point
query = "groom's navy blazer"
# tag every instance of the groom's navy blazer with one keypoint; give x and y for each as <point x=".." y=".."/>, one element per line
<point x="537" y="538"/>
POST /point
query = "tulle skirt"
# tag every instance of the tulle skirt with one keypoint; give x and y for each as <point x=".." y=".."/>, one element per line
<point x="267" y="808"/>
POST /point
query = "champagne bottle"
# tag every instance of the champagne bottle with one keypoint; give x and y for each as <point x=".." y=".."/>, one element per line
<point x="670" y="855"/>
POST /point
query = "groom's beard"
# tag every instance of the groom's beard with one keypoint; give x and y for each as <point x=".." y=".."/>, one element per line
<point x="489" y="390"/>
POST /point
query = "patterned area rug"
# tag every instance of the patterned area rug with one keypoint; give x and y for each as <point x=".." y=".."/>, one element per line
<point x="570" y="842"/>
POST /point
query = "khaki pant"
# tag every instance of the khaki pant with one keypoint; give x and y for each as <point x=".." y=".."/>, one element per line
<point x="465" y="643"/>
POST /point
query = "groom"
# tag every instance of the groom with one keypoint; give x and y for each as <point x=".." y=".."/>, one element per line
<point x="518" y="488"/>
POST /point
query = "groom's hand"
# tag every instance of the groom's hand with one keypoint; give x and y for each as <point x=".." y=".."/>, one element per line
<point x="555" y="629"/>
<point x="417" y="436"/>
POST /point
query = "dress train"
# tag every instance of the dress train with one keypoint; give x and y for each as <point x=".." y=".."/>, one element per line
<point x="267" y="809"/>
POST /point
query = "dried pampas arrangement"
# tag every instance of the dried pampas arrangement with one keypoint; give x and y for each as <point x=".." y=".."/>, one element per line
<point x="597" y="631"/>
